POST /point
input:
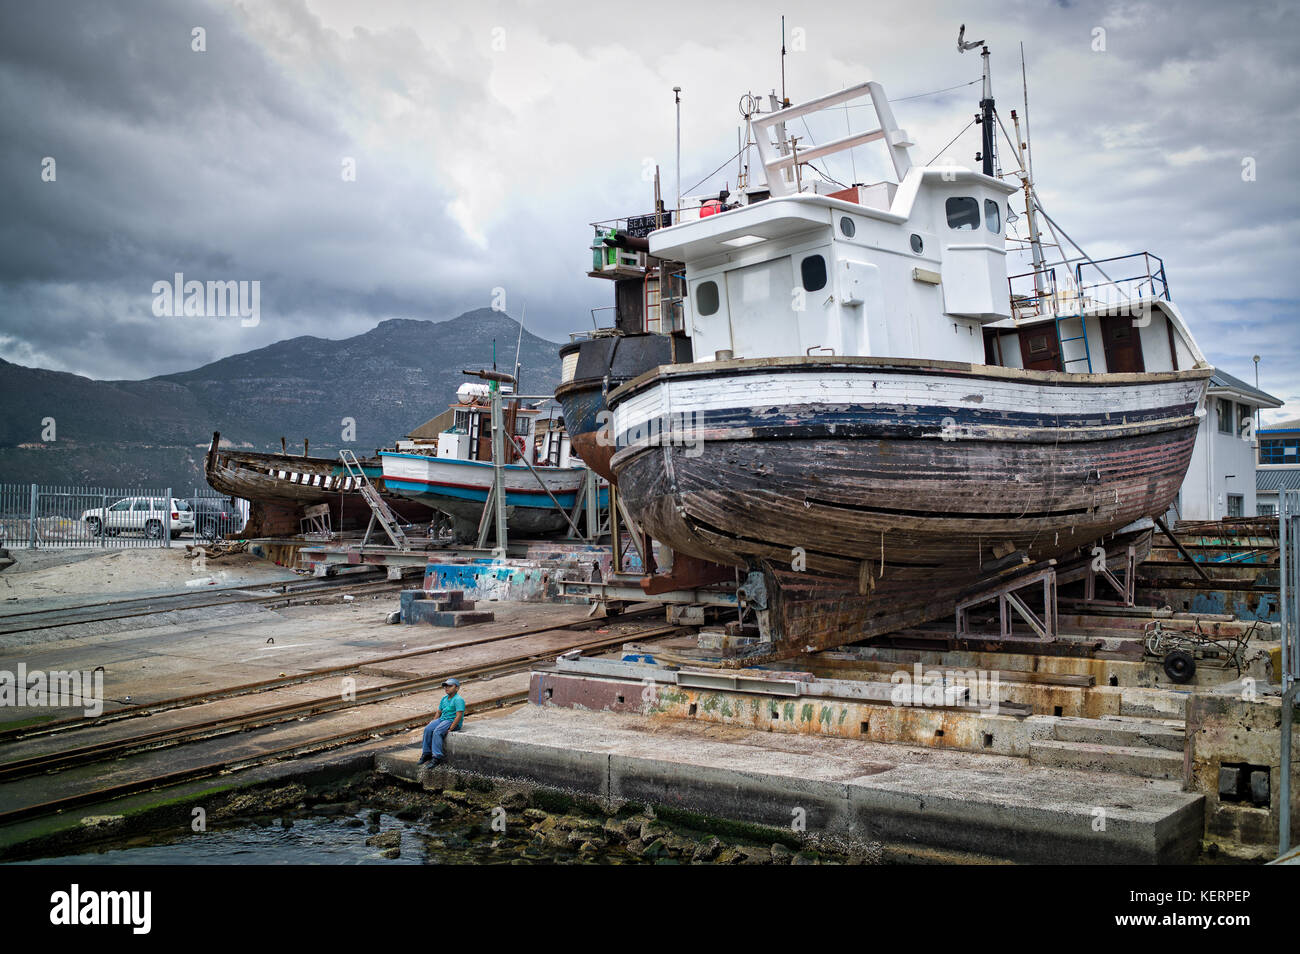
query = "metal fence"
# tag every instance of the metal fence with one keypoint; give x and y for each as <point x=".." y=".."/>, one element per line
<point x="1289" y="600"/>
<point x="36" y="516"/>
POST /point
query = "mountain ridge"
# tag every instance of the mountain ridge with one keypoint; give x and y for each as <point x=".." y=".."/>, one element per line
<point x="386" y="381"/>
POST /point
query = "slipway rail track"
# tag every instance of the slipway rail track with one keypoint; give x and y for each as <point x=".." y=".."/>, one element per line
<point x="29" y="620"/>
<point x="110" y="751"/>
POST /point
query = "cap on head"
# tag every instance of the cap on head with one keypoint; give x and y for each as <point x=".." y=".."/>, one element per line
<point x="451" y="682"/>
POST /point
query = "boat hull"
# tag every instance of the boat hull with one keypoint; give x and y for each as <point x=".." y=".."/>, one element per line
<point x="870" y="493"/>
<point x="281" y="486"/>
<point x="460" y="488"/>
<point x="597" y="366"/>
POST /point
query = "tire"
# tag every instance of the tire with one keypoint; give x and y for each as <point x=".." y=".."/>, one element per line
<point x="1180" y="666"/>
<point x="154" y="530"/>
<point x="208" y="531"/>
<point x="95" y="527"/>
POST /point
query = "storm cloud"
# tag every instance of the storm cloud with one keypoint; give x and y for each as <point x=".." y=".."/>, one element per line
<point x="484" y="138"/>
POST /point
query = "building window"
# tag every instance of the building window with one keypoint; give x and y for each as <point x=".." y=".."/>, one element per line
<point x="706" y="298"/>
<point x="963" y="213"/>
<point x="992" y="216"/>
<point x="1266" y="510"/>
<point x="813" y="272"/>
<point x="1235" y="505"/>
<point x="1225" y="417"/>
<point x="1279" y="450"/>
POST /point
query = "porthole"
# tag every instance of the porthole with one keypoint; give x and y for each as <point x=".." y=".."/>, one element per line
<point x="847" y="226"/>
<point x="917" y="245"/>
<point x="706" y="298"/>
<point x="813" y="272"/>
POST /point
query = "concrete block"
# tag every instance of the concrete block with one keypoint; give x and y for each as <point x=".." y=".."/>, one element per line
<point x="1229" y="782"/>
<point x="407" y="599"/>
<point x="1259" y="788"/>
<point x="434" y="613"/>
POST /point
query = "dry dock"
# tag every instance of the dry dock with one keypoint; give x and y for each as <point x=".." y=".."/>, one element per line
<point x="1075" y="750"/>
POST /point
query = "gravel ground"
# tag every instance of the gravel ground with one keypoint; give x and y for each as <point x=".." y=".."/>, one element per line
<point x="62" y="574"/>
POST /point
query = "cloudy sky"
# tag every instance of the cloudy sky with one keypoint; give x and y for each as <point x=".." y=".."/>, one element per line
<point x="486" y="137"/>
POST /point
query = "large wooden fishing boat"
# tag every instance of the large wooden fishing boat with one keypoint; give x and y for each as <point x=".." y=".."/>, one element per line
<point x="876" y="416"/>
<point x="281" y="486"/>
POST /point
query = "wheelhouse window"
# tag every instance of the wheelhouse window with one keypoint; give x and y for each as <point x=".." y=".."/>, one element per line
<point x="706" y="298"/>
<point x="992" y="216"/>
<point x="813" y="272"/>
<point x="963" y="213"/>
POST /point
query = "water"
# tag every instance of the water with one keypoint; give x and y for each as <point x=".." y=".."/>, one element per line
<point x="310" y="841"/>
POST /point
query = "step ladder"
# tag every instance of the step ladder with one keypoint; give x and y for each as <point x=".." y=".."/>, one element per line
<point x="379" y="510"/>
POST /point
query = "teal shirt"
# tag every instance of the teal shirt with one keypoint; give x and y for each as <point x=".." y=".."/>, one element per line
<point x="448" y="706"/>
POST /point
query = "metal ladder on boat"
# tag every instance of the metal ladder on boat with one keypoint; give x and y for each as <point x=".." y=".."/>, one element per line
<point x="1083" y="336"/>
<point x="379" y="510"/>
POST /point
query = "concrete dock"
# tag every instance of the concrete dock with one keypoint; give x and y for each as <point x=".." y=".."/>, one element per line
<point x="919" y="805"/>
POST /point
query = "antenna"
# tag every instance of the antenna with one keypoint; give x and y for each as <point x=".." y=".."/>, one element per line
<point x="1024" y="80"/>
<point x="519" y="344"/>
<point x="784" y="100"/>
<point x="677" y="98"/>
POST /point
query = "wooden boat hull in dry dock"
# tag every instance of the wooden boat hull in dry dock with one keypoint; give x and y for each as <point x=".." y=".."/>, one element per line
<point x="279" y="486"/>
<point x="591" y="368"/>
<point x="893" y="483"/>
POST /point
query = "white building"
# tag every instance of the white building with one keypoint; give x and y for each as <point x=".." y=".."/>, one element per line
<point x="1220" y="480"/>
<point x="1279" y="464"/>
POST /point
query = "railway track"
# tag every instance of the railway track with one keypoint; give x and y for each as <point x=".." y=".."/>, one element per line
<point x="146" y="742"/>
<point x="202" y="698"/>
<point x="30" y="620"/>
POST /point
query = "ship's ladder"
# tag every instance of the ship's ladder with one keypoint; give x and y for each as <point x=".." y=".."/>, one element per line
<point x="1081" y="336"/>
<point x="379" y="510"/>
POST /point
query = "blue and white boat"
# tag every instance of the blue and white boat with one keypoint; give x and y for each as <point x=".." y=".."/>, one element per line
<point x="454" y="474"/>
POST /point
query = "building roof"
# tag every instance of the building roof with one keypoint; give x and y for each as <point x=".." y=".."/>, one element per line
<point x="1280" y="478"/>
<point x="1222" y="380"/>
<point x="1291" y="425"/>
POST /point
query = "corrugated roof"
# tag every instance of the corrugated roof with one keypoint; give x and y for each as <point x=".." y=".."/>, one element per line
<point x="1284" y="478"/>
<point x="1222" y="379"/>
<point x="1291" y="425"/>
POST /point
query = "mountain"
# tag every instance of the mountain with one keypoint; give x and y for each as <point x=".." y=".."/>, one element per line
<point x="154" y="433"/>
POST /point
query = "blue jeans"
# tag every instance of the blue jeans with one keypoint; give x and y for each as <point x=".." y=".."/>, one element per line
<point x="434" y="734"/>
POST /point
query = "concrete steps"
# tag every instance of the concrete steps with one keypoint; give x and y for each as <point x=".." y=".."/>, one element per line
<point x="1124" y="732"/>
<point x="1142" y="761"/>
<point x="1125" y="745"/>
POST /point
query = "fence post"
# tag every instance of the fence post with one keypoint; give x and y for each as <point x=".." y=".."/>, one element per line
<point x="167" y="519"/>
<point x="31" y="523"/>
<point x="103" y="520"/>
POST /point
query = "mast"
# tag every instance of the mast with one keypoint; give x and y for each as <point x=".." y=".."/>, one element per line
<point x="986" y="118"/>
<point x="1026" y="182"/>
<point x="986" y="106"/>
